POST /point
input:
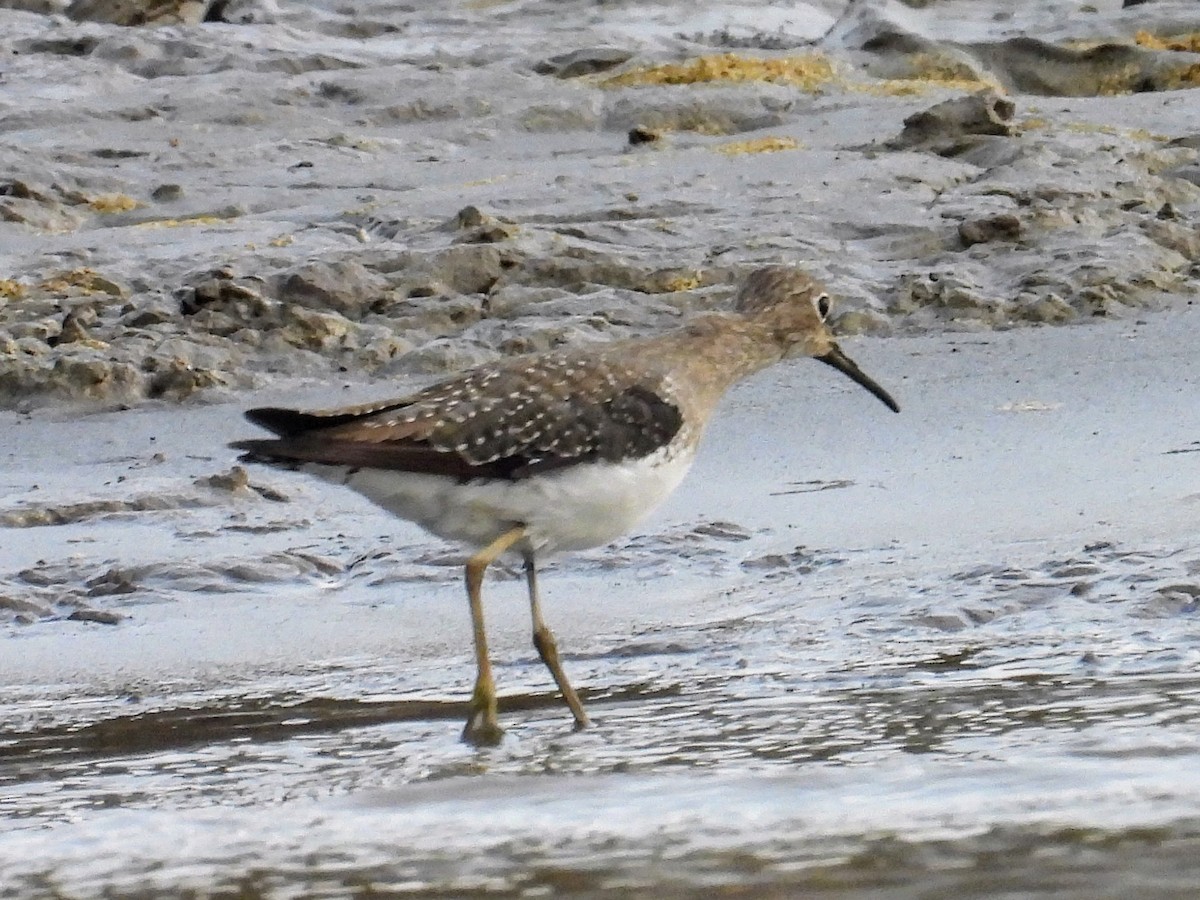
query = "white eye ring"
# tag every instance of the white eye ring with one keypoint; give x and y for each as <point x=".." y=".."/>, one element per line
<point x="823" y="304"/>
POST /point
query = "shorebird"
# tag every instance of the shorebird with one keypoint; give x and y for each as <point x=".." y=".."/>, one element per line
<point x="556" y="451"/>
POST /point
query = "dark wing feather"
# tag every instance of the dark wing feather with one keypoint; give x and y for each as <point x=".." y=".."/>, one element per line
<point x="292" y="422"/>
<point x="358" y="455"/>
<point x="504" y="421"/>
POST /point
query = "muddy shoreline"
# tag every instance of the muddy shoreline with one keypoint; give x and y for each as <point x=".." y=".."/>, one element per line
<point x="441" y="191"/>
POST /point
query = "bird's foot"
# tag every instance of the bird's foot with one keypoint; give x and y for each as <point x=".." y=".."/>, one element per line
<point x="482" y="732"/>
<point x="483" y="725"/>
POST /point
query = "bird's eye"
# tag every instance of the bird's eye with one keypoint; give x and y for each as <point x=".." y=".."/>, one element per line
<point x="823" y="304"/>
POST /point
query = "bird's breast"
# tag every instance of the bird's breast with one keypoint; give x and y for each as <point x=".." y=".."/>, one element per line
<point x="573" y="507"/>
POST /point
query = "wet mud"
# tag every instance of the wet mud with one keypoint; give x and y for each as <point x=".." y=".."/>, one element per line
<point x="398" y="194"/>
<point x="835" y="687"/>
<point x="994" y="729"/>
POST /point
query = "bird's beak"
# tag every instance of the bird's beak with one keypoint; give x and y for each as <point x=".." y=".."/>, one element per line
<point x="844" y="364"/>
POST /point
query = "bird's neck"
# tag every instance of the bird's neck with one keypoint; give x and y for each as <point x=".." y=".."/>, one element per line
<point x="712" y="353"/>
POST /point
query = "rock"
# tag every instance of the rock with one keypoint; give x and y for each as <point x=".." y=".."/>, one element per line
<point x="167" y="193"/>
<point x="1027" y="65"/>
<point x="718" y="110"/>
<point x="42" y="7"/>
<point x="150" y="312"/>
<point x="23" y="611"/>
<point x="1050" y="309"/>
<point x="218" y="290"/>
<point x="379" y="347"/>
<point x="441" y="356"/>
<point x="1004" y="227"/>
<point x="49" y="215"/>
<point x="512" y="300"/>
<point x="111" y="582"/>
<point x="470" y="217"/>
<point x="14" y="187"/>
<point x="90" y="378"/>
<point x="587" y="61"/>
<point x="173" y="12"/>
<point x="461" y="269"/>
<point x="949" y="127"/>
<point x="478" y="227"/>
<point x="343" y="286"/>
<point x="73" y="330"/>
<point x="579" y="274"/>
<point x="243" y="12"/>
<point x="1182" y="238"/>
<point x="236" y="480"/>
<point x="313" y="330"/>
<point x="641" y="135"/>
<point x="44" y="330"/>
<point x="140" y="12"/>
<point x="95" y="615"/>
<point x="176" y="379"/>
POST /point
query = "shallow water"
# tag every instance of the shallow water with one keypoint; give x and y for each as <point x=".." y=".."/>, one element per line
<point x="834" y="744"/>
<point x="765" y="723"/>
<point x="835" y="686"/>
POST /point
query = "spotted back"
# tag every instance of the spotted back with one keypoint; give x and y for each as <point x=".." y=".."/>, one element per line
<point x="508" y="420"/>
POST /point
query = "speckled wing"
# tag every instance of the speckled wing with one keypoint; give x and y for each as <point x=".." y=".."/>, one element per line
<point x="509" y="420"/>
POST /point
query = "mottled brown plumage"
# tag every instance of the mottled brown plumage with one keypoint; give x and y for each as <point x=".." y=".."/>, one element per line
<point x="562" y="450"/>
<point x="505" y="420"/>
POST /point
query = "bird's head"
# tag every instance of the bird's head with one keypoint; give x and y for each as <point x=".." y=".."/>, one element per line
<point x="793" y="307"/>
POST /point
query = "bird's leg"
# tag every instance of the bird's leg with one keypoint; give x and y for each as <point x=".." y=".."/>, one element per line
<point x="547" y="649"/>
<point x="483" y="726"/>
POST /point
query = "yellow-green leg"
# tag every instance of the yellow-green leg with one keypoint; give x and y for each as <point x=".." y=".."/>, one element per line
<point x="483" y="725"/>
<point x="547" y="649"/>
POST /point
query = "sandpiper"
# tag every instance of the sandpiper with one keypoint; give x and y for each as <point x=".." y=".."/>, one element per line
<point x="555" y="451"/>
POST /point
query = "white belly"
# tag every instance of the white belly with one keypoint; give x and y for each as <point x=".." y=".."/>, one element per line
<point x="572" y="508"/>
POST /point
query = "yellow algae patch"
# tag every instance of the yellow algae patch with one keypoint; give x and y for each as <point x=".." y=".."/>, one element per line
<point x="113" y="203"/>
<point x="1137" y="134"/>
<point x="284" y="240"/>
<point x="809" y="72"/>
<point x="1183" y="77"/>
<point x="758" y="145"/>
<point x="698" y="120"/>
<point x="85" y="280"/>
<point x="1185" y="43"/>
<point x="681" y="282"/>
<point x="484" y="182"/>
<point x="909" y="87"/>
<point x="348" y="142"/>
<point x="928" y="72"/>
<point x="1133" y="78"/>
<point x="182" y="223"/>
<point x="364" y="210"/>
<point x="928" y="67"/>
<point x="1121" y="81"/>
<point x="11" y="290"/>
